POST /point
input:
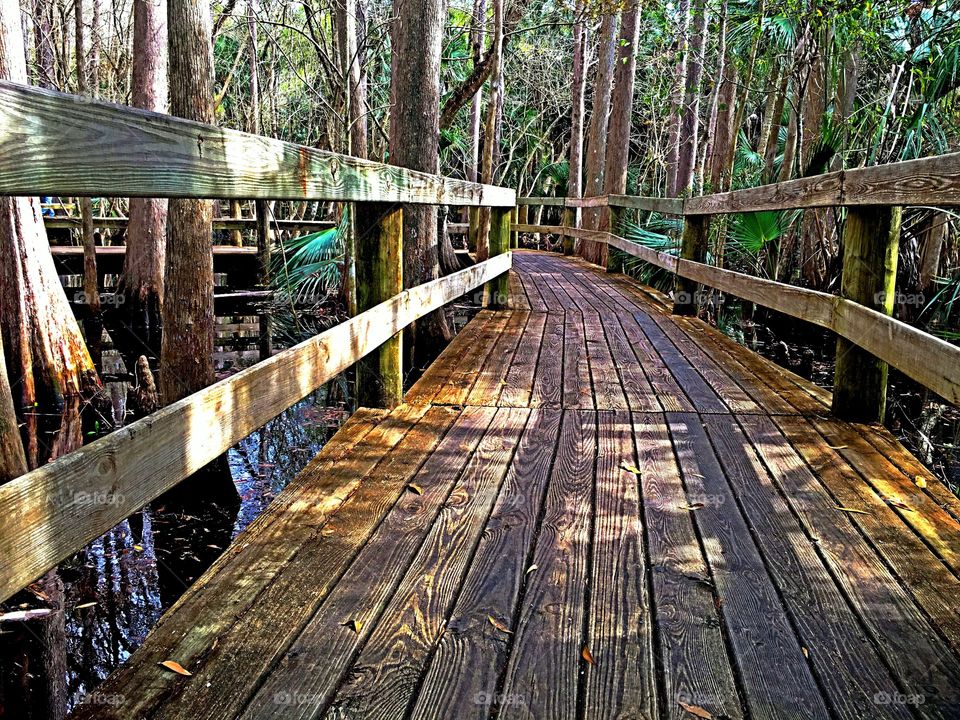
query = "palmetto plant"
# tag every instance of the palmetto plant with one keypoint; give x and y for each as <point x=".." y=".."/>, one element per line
<point x="755" y="238"/>
<point x="305" y="275"/>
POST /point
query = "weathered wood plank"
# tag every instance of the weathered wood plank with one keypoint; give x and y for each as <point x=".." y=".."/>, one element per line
<point x="577" y="390"/>
<point x="60" y="144"/>
<point x="55" y="510"/>
<point x="548" y="637"/>
<point x="620" y="627"/>
<point x="519" y="381"/>
<point x="548" y="379"/>
<point x="462" y="678"/>
<point x="667" y="206"/>
<point x="383" y="679"/>
<point x="695" y="665"/>
<point x="818" y="191"/>
<point x="490" y="378"/>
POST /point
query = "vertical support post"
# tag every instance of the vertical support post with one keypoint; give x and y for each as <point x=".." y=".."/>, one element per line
<point x="473" y="229"/>
<point x="497" y="291"/>
<point x="379" y="262"/>
<point x="871" y="238"/>
<point x="263" y="273"/>
<point x="693" y="246"/>
<point x="614" y="256"/>
<point x="236" y="236"/>
<point x="569" y="220"/>
<point x="514" y="235"/>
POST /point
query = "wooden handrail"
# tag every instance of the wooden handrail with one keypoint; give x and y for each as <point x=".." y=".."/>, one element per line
<point x="53" y="143"/>
<point x="53" y="511"/>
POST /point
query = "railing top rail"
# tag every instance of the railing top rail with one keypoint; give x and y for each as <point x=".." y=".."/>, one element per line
<point x="53" y="143"/>
<point x="927" y="181"/>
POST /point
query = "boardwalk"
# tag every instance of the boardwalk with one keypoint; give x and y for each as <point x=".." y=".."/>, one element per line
<point x="586" y="508"/>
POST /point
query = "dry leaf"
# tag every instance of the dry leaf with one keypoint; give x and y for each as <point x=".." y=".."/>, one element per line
<point x="632" y="468"/>
<point x="531" y="569"/>
<point x="587" y="655"/>
<point x="852" y="510"/>
<point x="81" y="606"/>
<point x="176" y="667"/>
<point x="806" y="653"/>
<point x="415" y="489"/>
<point x="921" y="483"/>
<point x="837" y="447"/>
<point x="692" y="506"/>
<point x="499" y="625"/>
<point x="138" y="548"/>
<point x="354" y="625"/>
<point x="21" y="615"/>
<point x="695" y="710"/>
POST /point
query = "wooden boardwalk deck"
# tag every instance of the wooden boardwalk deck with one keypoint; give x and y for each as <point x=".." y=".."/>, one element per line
<point x="587" y="508"/>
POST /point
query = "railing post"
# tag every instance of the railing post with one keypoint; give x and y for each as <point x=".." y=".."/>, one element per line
<point x="614" y="257"/>
<point x="871" y="238"/>
<point x="693" y="246"/>
<point x="497" y="290"/>
<point x="262" y="209"/>
<point x="379" y="263"/>
<point x="569" y="220"/>
<point x="514" y="235"/>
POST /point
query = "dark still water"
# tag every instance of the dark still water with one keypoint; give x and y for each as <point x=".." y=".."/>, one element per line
<point x="106" y="598"/>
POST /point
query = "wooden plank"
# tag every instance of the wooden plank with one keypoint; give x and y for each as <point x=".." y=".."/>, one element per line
<point x="53" y="511"/>
<point x="933" y="524"/>
<point x="288" y="603"/>
<point x="752" y="608"/>
<point x="927" y="181"/>
<point x="461" y="380"/>
<point x="548" y="379"/>
<point x="669" y="394"/>
<point x="695" y="666"/>
<point x="518" y="384"/>
<point x="97" y="148"/>
<point x="607" y="391"/>
<point x="117" y="223"/>
<point x="915" y="653"/>
<point x="622" y="683"/>
<point x="490" y="377"/>
<point x="462" y="678"/>
<point x="551" y="201"/>
<point x="385" y="676"/>
<point x="667" y="206"/>
<point x="577" y="390"/>
<point x="313" y="667"/>
<point x="548" y="638"/>
<point x="703" y="397"/>
<point x="534" y="298"/>
<point x="654" y="257"/>
<point x="818" y="191"/>
<point x="932" y="585"/>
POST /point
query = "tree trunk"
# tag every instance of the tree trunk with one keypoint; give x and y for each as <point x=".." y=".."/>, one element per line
<point x="742" y="102"/>
<point x="679" y="62"/>
<point x="43" y="42"/>
<point x="577" y="111"/>
<point x="597" y="134"/>
<point x="934" y="236"/>
<point x="91" y="289"/>
<point x="477" y="41"/>
<point x="814" y="245"/>
<point x="47" y="360"/>
<point x="770" y="118"/>
<point x="621" y="107"/>
<point x="186" y="354"/>
<point x="13" y="461"/>
<point x="722" y="136"/>
<point x="690" y="118"/>
<point x="417" y="34"/>
<point x="772" y="142"/>
<point x="491" y="125"/>
<point x="142" y="283"/>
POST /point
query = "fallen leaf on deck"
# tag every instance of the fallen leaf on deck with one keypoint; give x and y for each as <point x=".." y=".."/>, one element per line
<point x="695" y="710"/>
<point x="354" y="625"/>
<point x="806" y="653"/>
<point x="499" y="625"/>
<point x="632" y="468"/>
<point x="852" y="510"/>
<point x="837" y="447"/>
<point x="174" y="666"/>
<point x="138" y="548"/>
<point x="81" y="606"/>
<point x="693" y="506"/>
<point x="415" y="489"/>
<point x="587" y="655"/>
<point x="531" y="569"/>
<point x="921" y="483"/>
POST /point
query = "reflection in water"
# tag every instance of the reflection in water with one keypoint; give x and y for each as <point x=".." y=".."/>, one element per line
<point x="119" y="585"/>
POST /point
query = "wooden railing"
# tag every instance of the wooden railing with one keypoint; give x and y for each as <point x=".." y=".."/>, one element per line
<point x="55" y="144"/>
<point x="868" y="338"/>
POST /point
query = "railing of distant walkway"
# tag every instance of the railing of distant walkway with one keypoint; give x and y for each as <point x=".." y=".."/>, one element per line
<point x="868" y="338"/>
<point x="56" y="144"/>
